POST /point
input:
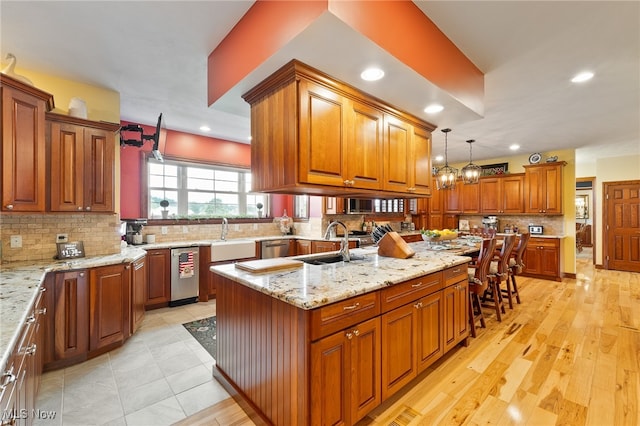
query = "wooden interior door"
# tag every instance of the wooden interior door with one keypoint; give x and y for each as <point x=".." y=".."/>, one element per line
<point x="622" y="225"/>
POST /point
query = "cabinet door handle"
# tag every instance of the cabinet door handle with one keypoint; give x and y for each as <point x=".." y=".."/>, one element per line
<point x="356" y="332"/>
<point x="418" y="305"/>
<point x="31" y="350"/>
<point x="351" y="307"/>
<point x="9" y="378"/>
<point x="87" y="208"/>
<point x="79" y="208"/>
<point x="31" y="319"/>
<point x="82" y="274"/>
<point x="349" y="335"/>
<point x="42" y="311"/>
<point x="9" y="206"/>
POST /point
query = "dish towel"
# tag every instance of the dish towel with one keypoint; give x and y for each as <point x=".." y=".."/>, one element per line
<point x="185" y="264"/>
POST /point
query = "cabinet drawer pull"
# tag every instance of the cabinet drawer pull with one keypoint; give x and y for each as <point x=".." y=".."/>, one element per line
<point x="31" y="319"/>
<point x="31" y="350"/>
<point x="43" y="289"/>
<point x="351" y="307"/>
<point x="417" y="285"/>
<point x="42" y="311"/>
<point x="456" y="271"/>
<point x="9" y="206"/>
<point x="9" y="378"/>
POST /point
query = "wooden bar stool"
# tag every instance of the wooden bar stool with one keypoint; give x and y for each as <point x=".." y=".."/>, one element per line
<point x="498" y="271"/>
<point x="479" y="282"/>
<point x="516" y="266"/>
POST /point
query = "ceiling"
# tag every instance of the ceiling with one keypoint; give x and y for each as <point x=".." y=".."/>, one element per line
<point x="154" y="53"/>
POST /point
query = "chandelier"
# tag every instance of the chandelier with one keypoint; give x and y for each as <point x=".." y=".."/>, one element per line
<point x="471" y="172"/>
<point x="446" y="176"/>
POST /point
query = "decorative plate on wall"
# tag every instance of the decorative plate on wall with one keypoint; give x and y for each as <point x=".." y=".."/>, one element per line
<point x="535" y="158"/>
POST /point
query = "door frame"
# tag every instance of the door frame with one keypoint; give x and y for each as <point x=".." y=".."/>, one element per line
<point x="594" y="218"/>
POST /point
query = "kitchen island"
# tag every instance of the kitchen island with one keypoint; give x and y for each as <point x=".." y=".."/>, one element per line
<point x="325" y="344"/>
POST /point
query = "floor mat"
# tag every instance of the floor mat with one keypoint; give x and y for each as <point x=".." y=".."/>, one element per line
<point x="204" y="331"/>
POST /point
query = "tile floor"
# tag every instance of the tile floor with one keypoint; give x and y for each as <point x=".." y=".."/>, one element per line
<point x="159" y="376"/>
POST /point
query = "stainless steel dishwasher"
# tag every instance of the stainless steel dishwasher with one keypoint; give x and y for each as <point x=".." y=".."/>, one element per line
<point x="184" y="276"/>
<point x="275" y="248"/>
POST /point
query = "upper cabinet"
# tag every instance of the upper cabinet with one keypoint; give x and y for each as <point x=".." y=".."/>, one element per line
<point x="82" y="164"/>
<point x="502" y="194"/>
<point x="23" y="146"/>
<point x="315" y="135"/>
<point x="543" y="188"/>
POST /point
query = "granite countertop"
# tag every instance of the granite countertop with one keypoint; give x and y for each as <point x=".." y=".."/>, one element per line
<point x="312" y="286"/>
<point x="20" y="285"/>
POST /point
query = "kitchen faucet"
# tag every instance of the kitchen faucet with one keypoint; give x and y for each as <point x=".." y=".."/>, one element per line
<point x="344" y="244"/>
<point x="225" y="229"/>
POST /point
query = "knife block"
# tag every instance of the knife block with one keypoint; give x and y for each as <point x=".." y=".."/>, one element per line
<point x="392" y="245"/>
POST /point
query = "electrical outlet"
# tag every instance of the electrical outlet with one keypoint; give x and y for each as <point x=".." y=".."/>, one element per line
<point x="255" y="226"/>
<point x="164" y="230"/>
<point x="185" y="229"/>
<point x="62" y="238"/>
<point x="16" y="241"/>
<point x="236" y="227"/>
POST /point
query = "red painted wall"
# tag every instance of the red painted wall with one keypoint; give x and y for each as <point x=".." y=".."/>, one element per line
<point x="177" y="145"/>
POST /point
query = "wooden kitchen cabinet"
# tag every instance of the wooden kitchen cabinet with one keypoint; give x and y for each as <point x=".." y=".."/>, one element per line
<point x="407" y="162"/>
<point x="23" y="146"/>
<point x="82" y="164"/>
<point x="456" y="306"/>
<point x="109" y="307"/>
<point x="346" y="371"/>
<point x="21" y="379"/>
<point x="502" y="194"/>
<point x="322" y="246"/>
<point x="159" y="278"/>
<point x="542" y="258"/>
<point x="543" y="188"/>
<point x="327" y="138"/>
<point x="67" y="325"/>
<point x="470" y="198"/>
<point x="303" y="247"/>
<point x="452" y="198"/>
<point x="138" y="292"/>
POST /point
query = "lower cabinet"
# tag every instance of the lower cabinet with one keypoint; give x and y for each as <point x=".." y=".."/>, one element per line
<point x="21" y="379"/>
<point x="542" y="258"/>
<point x="456" y="311"/>
<point x="67" y="336"/>
<point x="159" y="278"/>
<point x="138" y="292"/>
<point x="303" y="246"/>
<point x="346" y="371"/>
<point x="109" y="306"/>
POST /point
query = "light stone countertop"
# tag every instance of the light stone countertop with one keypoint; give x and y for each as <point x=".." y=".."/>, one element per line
<point x="312" y="286"/>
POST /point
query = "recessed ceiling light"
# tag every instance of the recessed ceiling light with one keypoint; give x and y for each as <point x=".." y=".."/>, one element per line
<point x="372" y="74"/>
<point x="433" y="108"/>
<point x="205" y="128"/>
<point x="514" y="147"/>
<point x="582" y="77"/>
<point x="439" y="158"/>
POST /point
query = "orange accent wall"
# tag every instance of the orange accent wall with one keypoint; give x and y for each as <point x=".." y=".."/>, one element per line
<point x="399" y="27"/>
<point x="265" y="28"/>
<point x="403" y="30"/>
<point x="178" y="144"/>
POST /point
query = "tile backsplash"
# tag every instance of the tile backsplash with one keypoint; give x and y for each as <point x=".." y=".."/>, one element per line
<point x="99" y="233"/>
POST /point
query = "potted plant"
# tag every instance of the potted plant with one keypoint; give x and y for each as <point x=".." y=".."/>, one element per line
<point x="259" y="206"/>
<point x="164" y="204"/>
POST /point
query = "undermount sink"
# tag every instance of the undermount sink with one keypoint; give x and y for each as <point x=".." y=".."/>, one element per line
<point x="324" y="260"/>
<point x="232" y="250"/>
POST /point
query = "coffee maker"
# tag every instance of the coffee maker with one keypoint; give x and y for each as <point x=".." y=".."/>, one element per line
<point x="134" y="230"/>
<point x="491" y="222"/>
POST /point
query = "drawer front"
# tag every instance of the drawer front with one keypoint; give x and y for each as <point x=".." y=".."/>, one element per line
<point x="340" y="315"/>
<point x="455" y="274"/>
<point x="409" y="291"/>
<point x="544" y="242"/>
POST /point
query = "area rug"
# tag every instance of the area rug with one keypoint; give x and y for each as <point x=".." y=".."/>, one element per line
<point x="204" y="331"/>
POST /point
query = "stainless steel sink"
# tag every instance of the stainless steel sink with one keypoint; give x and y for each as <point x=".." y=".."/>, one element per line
<point x="327" y="259"/>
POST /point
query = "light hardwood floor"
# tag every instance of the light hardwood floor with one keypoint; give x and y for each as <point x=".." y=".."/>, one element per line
<point x="568" y="355"/>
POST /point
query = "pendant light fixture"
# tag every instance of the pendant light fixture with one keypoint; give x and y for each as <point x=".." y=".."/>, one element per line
<point x="446" y="176"/>
<point x="471" y="172"/>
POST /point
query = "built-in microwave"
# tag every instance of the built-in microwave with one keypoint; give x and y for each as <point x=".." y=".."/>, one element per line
<point x="359" y="206"/>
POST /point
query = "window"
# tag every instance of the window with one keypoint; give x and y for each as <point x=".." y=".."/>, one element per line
<point x="201" y="191"/>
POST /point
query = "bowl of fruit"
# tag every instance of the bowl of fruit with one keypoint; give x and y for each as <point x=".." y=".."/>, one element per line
<point x="438" y="234"/>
